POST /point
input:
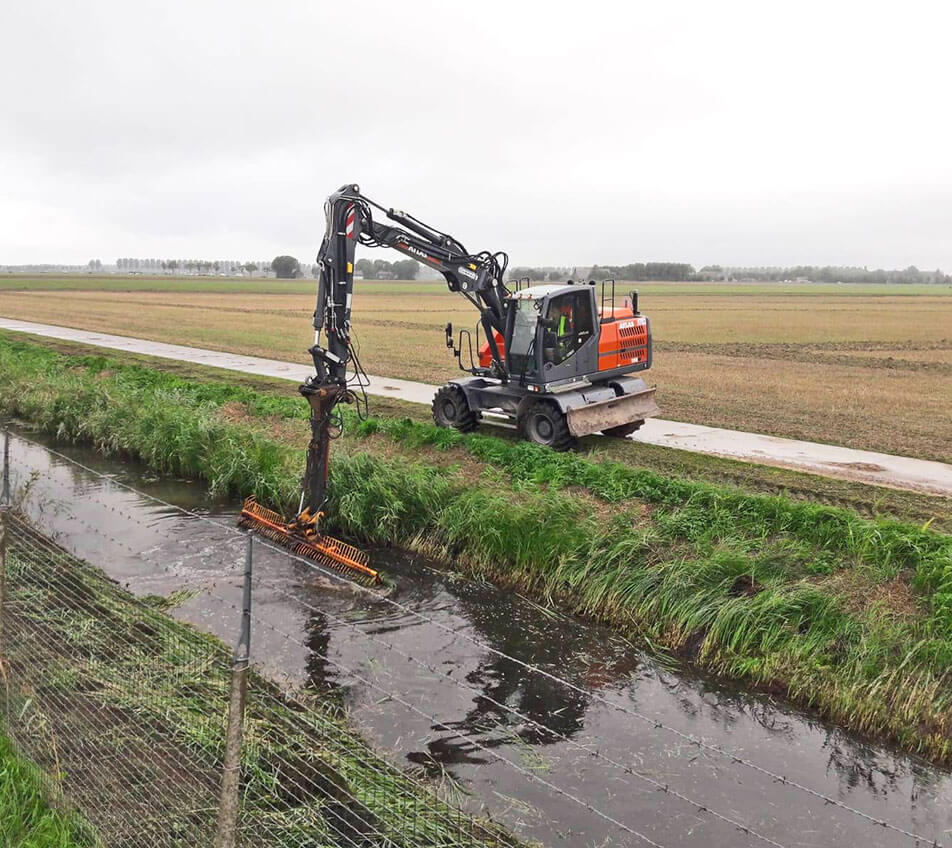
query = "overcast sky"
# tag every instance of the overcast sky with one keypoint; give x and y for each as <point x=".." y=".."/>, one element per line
<point x="563" y="133"/>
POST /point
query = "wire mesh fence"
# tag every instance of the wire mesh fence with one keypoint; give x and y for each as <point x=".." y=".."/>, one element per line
<point x="101" y="692"/>
<point x="125" y="709"/>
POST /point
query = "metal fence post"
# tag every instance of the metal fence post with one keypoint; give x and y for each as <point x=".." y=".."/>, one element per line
<point x="231" y="770"/>
<point x="5" y="499"/>
<point x="4" y="502"/>
<point x="3" y="588"/>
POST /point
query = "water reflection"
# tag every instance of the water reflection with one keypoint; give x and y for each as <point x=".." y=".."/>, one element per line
<point x="321" y="675"/>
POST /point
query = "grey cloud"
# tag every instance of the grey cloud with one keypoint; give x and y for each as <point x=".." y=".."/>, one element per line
<point x="603" y="131"/>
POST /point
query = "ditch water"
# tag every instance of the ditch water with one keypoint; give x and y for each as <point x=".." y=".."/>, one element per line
<point x="458" y="724"/>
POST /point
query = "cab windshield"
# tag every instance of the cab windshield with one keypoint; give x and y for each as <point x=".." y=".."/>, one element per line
<point x="521" y="355"/>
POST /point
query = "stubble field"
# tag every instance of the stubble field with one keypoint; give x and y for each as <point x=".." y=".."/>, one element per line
<point x="863" y="366"/>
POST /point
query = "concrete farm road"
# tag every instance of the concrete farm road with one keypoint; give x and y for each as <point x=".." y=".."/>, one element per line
<point x="898" y="472"/>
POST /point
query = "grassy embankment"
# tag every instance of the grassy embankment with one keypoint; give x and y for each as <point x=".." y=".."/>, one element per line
<point x="26" y="819"/>
<point x="865" y="366"/>
<point x="866" y="499"/>
<point x="849" y="616"/>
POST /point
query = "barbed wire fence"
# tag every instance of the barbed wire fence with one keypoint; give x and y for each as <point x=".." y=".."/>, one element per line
<point x="229" y="758"/>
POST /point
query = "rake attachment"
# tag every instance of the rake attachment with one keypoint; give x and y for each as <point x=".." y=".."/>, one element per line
<point x="301" y="537"/>
<point x="324" y="391"/>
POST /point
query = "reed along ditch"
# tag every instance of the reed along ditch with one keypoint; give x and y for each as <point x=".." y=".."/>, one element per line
<point x="317" y="634"/>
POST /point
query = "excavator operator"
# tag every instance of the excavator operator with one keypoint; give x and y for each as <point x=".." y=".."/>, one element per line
<point x="562" y="316"/>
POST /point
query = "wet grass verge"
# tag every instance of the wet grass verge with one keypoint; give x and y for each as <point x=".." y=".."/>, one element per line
<point x="26" y="818"/>
<point x="849" y="616"/>
<point x="867" y="499"/>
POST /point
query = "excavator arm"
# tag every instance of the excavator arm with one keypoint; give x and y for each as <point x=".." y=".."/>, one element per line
<point x="350" y="222"/>
<point x="338" y="376"/>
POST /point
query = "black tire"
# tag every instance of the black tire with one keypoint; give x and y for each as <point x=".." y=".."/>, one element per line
<point x="545" y="424"/>
<point x="450" y="409"/>
<point x="623" y="430"/>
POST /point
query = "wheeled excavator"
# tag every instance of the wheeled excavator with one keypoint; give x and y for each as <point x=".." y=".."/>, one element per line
<point x="556" y="361"/>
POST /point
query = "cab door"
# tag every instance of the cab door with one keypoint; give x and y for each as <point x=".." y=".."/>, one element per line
<point x="569" y="335"/>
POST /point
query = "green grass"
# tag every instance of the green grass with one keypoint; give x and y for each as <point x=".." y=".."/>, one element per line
<point x="846" y="615"/>
<point x="26" y="819"/>
<point x="868" y="500"/>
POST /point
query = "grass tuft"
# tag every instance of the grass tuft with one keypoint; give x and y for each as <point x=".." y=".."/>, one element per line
<point x="26" y="818"/>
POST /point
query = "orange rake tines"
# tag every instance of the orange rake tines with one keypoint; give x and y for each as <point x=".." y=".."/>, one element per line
<point x="326" y="550"/>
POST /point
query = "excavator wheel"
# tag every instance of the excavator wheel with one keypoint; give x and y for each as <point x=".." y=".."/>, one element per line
<point x="450" y="409"/>
<point x="623" y="430"/>
<point x="545" y="424"/>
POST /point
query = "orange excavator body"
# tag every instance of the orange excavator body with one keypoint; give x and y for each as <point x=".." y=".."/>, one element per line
<point x="622" y="341"/>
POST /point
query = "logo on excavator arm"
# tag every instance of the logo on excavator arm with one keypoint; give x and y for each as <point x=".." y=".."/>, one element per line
<point x="410" y="248"/>
<point x="465" y="272"/>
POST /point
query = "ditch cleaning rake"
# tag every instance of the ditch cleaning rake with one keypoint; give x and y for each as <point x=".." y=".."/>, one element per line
<point x="294" y="535"/>
<point x="301" y="535"/>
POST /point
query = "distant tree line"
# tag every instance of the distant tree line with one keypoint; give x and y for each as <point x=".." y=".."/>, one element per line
<point x="677" y="271"/>
<point x="45" y="268"/>
<point x="633" y="271"/>
<point x="408" y="269"/>
<point x="231" y="267"/>
<point x="191" y="266"/>
<point x="542" y="275"/>
<point x="644" y="271"/>
<point x="833" y="274"/>
<point x="381" y="269"/>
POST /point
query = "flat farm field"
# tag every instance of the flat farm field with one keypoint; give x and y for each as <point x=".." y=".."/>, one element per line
<point x="864" y="366"/>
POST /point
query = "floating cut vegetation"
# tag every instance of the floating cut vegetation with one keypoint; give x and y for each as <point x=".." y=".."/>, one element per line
<point x="849" y="616"/>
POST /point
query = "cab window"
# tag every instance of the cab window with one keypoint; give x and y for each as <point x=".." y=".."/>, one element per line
<point x="569" y="325"/>
<point x="522" y="358"/>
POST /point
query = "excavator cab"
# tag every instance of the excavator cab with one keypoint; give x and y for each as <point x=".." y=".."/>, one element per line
<point x="569" y="334"/>
<point x="552" y="335"/>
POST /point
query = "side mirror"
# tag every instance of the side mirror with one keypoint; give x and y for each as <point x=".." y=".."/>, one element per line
<point x="449" y="335"/>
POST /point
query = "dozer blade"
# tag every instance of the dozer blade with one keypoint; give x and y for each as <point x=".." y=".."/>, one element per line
<point x="598" y="416"/>
<point x="325" y="550"/>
